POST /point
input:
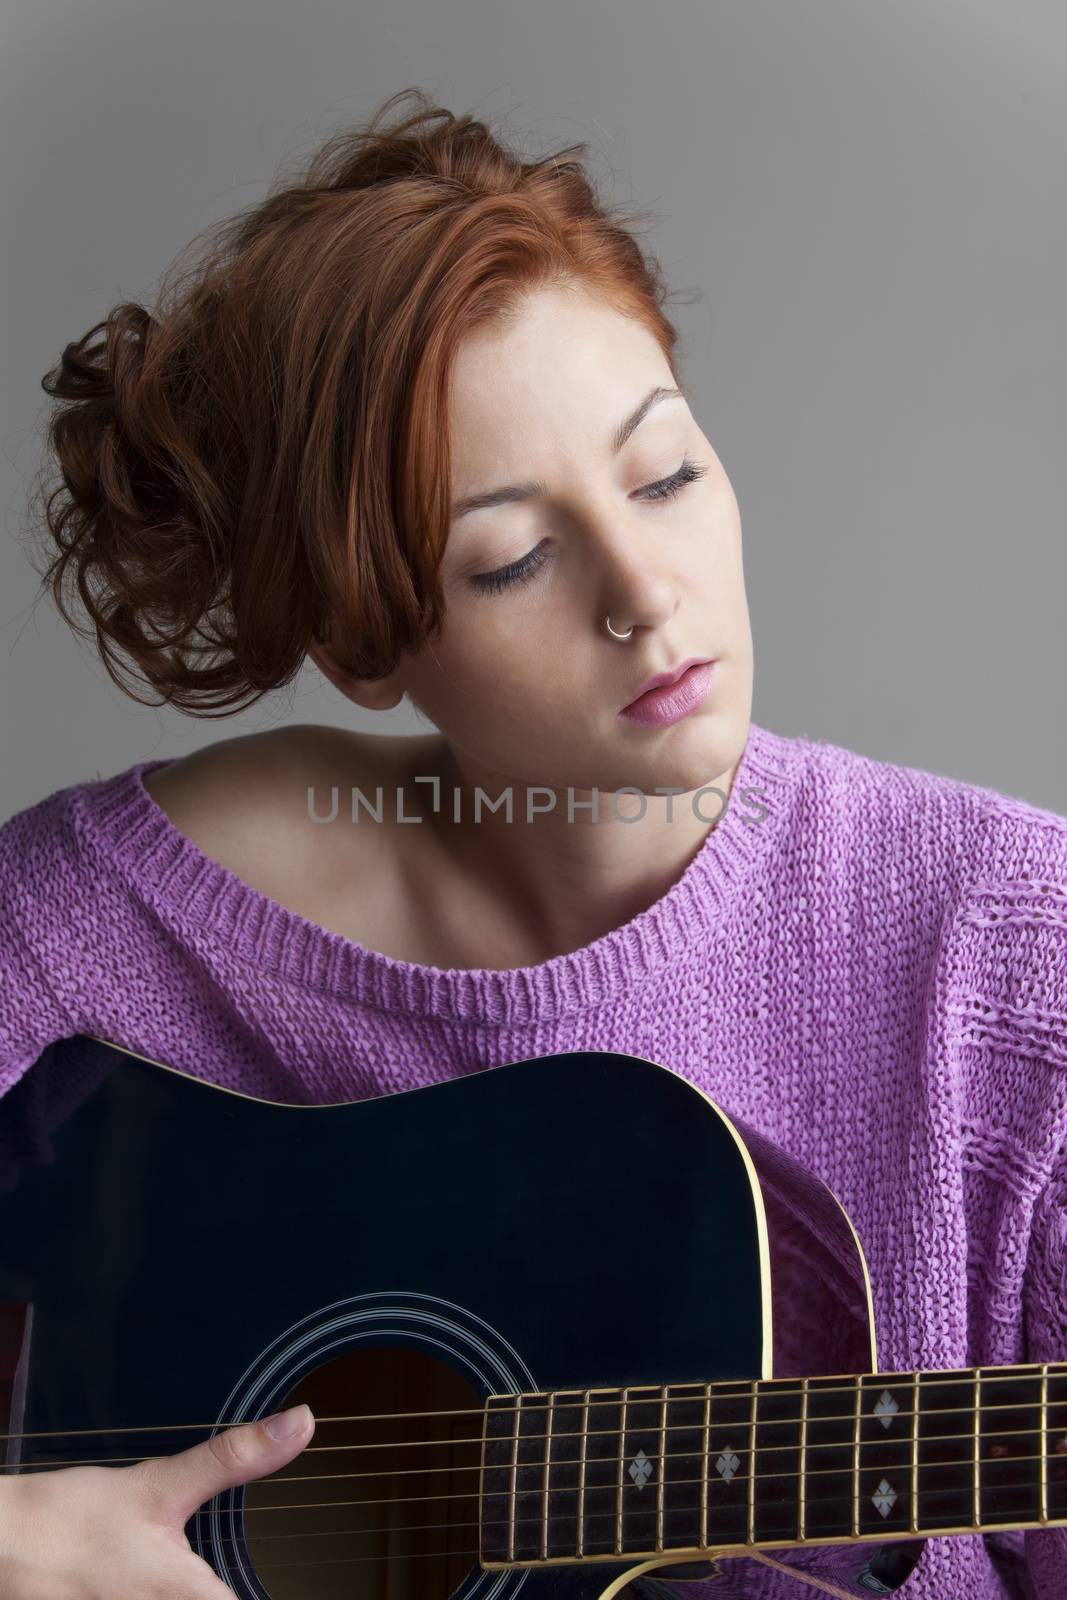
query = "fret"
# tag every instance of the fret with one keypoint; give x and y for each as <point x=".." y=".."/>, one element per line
<point x="599" y="1532"/>
<point x="685" y="1466"/>
<point x="753" y="1459"/>
<point x="579" y="1543"/>
<point x="499" y="1456"/>
<point x="623" y="1408"/>
<point x="1008" y="1434"/>
<point x="857" y="1419"/>
<point x="1043" y="1446"/>
<point x="830" y="1441"/>
<point x="560" y="1535"/>
<point x="775" y="1483"/>
<point x="514" y="1480"/>
<point x="728" y="1460"/>
<point x="704" y="1452"/>
<point x="640" y="1468"/>
<point x="884" y="1486"/>
<point x="528" y="1478"/>
<point x="945" y="1498"/>
<point x="661" y="1475"/>
<point x="548" y="1459"/>
<point x="802" y="1489"/>
<point x="914" y="1527"/>
<point x="976" y="1452"/>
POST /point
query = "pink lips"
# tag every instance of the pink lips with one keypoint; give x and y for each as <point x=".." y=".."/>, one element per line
<point x="660" y="679"/>
<point x="671" y="701"/>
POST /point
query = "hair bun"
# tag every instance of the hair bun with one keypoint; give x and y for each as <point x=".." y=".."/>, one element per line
<point x="258" y="463"/>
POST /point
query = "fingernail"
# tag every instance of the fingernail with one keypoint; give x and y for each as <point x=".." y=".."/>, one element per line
<point x="284" y="1424"/>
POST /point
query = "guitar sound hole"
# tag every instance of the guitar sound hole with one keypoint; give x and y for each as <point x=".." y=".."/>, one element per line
<point x="375" y="1508"/>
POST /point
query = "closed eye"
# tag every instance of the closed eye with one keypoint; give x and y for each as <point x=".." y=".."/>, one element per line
<point x="667" y="488"/>
<point x="526" y="566"/>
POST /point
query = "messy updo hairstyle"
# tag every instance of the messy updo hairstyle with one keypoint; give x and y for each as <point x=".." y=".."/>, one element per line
<point x="261" y="460"/>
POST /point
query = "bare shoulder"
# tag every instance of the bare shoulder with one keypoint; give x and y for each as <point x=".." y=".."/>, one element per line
<point x="244" y="801"/>
<point x="199" y="790"/>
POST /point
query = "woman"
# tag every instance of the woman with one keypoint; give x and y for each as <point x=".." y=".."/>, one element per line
<point x="418" y="416"/>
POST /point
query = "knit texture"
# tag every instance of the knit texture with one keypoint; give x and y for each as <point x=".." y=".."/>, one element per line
<point x="864" y="961"/>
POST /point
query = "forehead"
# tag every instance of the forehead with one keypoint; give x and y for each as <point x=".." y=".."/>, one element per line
<point x="561" y="367"/>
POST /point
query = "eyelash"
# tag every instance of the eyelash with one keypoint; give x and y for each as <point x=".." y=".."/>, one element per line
<point x="519" y="571"/>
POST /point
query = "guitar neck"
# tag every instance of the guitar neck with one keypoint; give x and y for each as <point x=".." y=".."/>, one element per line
<point x="592" y="1475"/>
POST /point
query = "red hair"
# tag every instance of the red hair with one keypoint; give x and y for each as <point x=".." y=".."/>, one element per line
<point x="260" y="459"/>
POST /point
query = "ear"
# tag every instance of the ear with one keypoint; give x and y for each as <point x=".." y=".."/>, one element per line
<point x="375" y="694"/>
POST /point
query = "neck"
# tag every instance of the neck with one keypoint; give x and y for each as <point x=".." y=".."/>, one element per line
<point x="562" y="878"/>
<point x="628" y="1473"/>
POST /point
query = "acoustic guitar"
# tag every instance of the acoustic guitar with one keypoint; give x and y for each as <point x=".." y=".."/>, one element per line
<point x="566" y="1327"/>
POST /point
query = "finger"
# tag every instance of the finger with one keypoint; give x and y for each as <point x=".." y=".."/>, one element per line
<point x="179" y="1484"/>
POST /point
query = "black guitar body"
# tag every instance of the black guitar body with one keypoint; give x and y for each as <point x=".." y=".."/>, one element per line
<point x="175" y="1257"/>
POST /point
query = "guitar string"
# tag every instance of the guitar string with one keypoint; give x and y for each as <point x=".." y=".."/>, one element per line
<point x="642" y="1395"/>
<point x="539" y="1518"/>
<point x="865" y="1536"/>
<point x="696" y="1428"/>
<point x="774" y="1540"/>
<point x="461" y="1555"/>
<point x="684" y="1558"/>
<point x="614" y="1463"/>
<point x="745" y="1423"/>
<point x="813" y="1499"/>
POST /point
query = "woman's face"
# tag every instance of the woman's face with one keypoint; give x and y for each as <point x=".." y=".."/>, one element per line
<point x="524" y="681"/>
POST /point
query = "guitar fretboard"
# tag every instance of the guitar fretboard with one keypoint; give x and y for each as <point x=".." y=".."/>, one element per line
<point x="602" y="1473"/>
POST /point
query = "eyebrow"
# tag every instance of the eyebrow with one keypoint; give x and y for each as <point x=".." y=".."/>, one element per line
<point x="515" y="492"/>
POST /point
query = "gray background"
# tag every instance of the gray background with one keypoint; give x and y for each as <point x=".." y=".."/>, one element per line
<point x="869" y="198"/>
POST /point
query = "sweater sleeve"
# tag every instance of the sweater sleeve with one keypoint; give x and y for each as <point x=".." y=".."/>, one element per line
<point x="31" y="1015"/>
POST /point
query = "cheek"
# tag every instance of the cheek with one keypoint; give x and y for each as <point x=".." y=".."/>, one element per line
<point x="514" y="675"/>
<point x="721" y="554"/>
<point x="481" y="671"/>
<point x="512" y="638"/>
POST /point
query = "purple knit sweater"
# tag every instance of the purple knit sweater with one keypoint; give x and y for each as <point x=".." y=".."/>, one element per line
<point x="874" y="975"/>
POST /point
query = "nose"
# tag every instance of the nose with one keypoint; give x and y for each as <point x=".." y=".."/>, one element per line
<point x="640" y="598"/>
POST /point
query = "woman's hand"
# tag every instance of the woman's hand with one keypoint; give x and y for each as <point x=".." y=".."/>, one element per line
<point x="117" y="1533"/>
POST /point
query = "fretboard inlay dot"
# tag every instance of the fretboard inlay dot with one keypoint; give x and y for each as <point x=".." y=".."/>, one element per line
<point x="884" y="1497"/>
<point x="886" y="1408"/>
